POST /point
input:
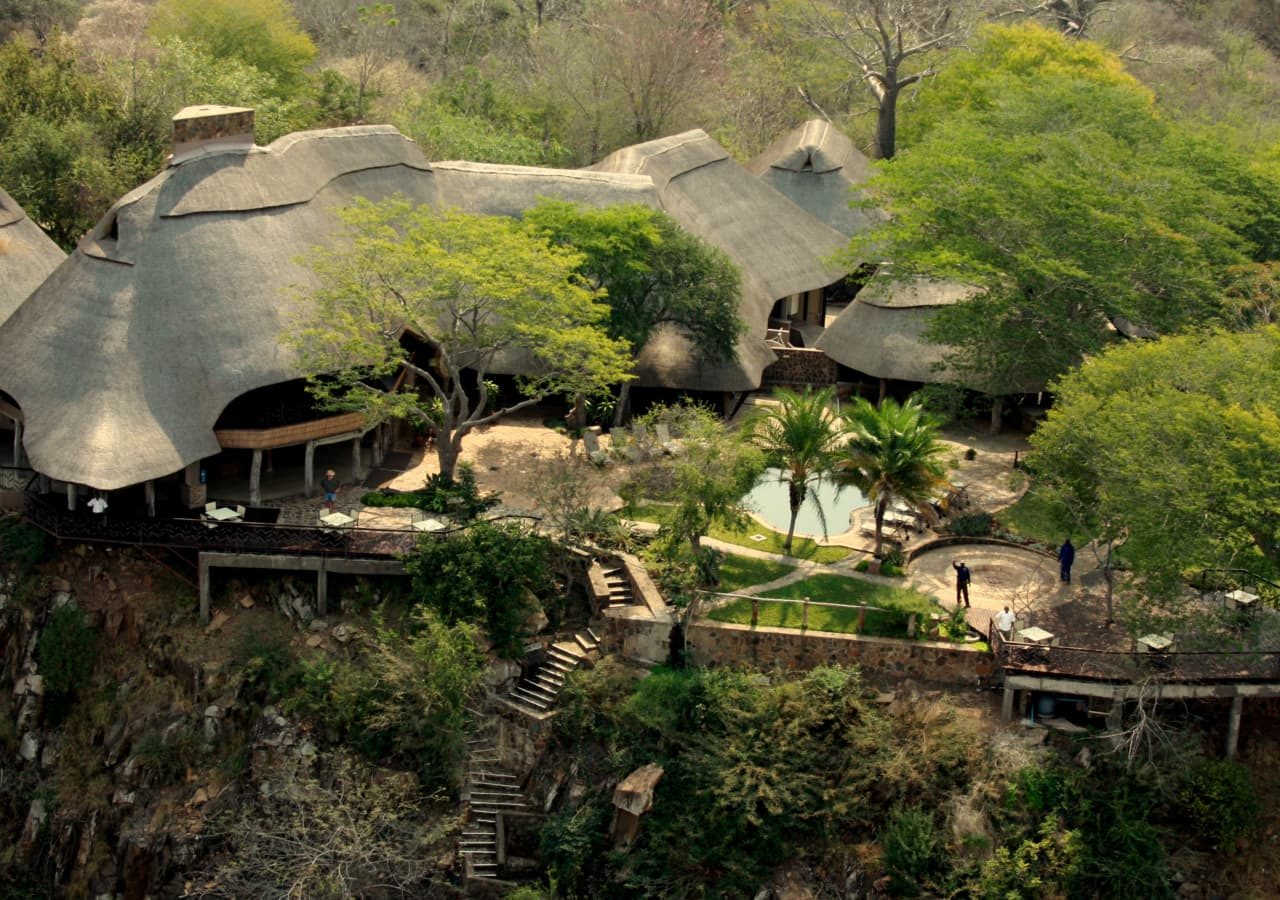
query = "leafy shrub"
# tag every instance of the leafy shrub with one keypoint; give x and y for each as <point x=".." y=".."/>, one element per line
<point x="67" y="650"/>
<point x="1035" y="868"/>
<point x="488" y="575"/>
<point x="1217" y="798"/>
<point x="863" y="565"/>
<point x="166" y="757"/>
<point x="913" y="851"/>
<point x="265" y="662"/>
<point x="459" y="497"/>
<point x="21" y="545"/>
<point x="979" y="524"/>
<point x="572" y="845"/>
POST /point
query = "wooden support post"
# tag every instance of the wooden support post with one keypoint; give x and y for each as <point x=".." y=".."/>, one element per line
<point x="309" y="469"/>
<point x="44" y="484"/>
<point x="149" y="488"/>
<point x="755" y="611"/>
<point x="1006" y="706"/>
<point x="203" y="567"/>
<point x="71" y="496"/>
<point x="884" y="390"/>
<point x="862" y="618"/>
<point x="1233" y="727"/>
<point x="322" y="589"/>
<point x="255" y="479"/>
<point x="376" y="455"/>
<point x="17" y="444"/>
<point x="804" y="615"/>
<point x="355" y="460"/>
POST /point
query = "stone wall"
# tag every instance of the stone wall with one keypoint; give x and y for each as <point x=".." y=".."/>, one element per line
<point x="801" y="365"/>
<point x="722" y="644"/>
<point x="635" y="633"/>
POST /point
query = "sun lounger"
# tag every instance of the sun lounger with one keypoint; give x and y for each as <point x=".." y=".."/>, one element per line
<point x="664" y="439"/>
<point x="591" y="443"/>
<point x="643" y="441"/>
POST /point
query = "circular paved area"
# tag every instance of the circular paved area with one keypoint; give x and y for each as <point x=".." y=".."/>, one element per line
<point x="1001" y="575"/>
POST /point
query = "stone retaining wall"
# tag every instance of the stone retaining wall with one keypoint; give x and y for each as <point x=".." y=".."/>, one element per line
<point x="723" y="644"/>
<point x="800" y="365"/>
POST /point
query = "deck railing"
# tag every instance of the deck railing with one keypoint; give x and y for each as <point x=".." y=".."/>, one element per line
<point x="1019" y="657"/>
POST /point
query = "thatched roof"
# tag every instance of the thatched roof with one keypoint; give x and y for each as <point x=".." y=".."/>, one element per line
<point x="27" y="256"/>
<point x="175" y="303"/>
<point x="817" y="167"/>
<point x="780" y="249"/>
<point x="882" y="331"/>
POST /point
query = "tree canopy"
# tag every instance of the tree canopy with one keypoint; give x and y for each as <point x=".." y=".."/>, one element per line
<point x="475" y="289"/>
<point x="1175" y="442"/>
<point x="1059" y="189"/>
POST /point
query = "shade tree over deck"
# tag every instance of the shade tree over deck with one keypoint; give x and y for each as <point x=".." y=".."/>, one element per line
<point x="476" y="290"/>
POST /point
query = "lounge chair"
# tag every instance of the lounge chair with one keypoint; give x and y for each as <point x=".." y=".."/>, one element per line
<point x="665" y="441"/>
<point x="643" y="440"/>
<point x="623" y="446"/>
<point x="591" y="442"/>
<point x="210" y="506"/>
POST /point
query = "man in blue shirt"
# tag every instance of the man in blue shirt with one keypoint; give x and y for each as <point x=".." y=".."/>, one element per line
<point x="1066" y="556"/>
<point x="963" y="577"/>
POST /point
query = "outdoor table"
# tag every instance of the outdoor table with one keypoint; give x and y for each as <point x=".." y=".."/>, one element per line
<point x="1035" y="635"/>
<point x="429" y="525"/>
<point x="337" y="520"/>
<point x="1243" y="599"/>
<point x="223" y="514"/>
<point x="1158" y="643"/>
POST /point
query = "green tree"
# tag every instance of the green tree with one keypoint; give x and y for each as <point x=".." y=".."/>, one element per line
<point x="1174" y="443"/>
<point x="474" y="289"/>
<point x="801" y="437"/>
<point x="1067" y="198"/>
<point x="654" y="275"/>
<point x="892" y="453"/>
<point x="261" y="33"/>
<point x="457" y="578"/>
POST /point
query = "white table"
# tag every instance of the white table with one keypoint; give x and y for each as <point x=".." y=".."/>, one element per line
<point x="1157" y="643"/>
<point x="429" y="525"/>
<point x="1242" y="598"/>
<point x="337" y="520"/>
<point x="223" y="514"/>
<point x="1035" y="635"/>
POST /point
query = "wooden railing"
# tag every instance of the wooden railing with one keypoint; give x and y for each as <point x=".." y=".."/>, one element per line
<point x="289" y="435"/>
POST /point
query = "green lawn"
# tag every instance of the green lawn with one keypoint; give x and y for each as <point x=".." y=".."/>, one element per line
<point x="898" y="603"/>
<point x="738" y="572"/>
<point x="1040" y="519"/>
<point x="801" y="547"/>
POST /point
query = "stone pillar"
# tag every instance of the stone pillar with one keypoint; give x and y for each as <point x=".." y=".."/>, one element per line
<point x="255" y="479"/>
<point x="378" y="446"/>
<point x="322" y="589"/>
<point x="1233" y="728"/>
<point x="193" y="492"/>
<point x="18" y="455"/>
<point x="150" y="489"/>
<point x="309" y="469"/>
<point x="355" y="460"/>
<point x="204" y="590"/>
<point x="71" y="496"/>
<point x="1006" y="707"/>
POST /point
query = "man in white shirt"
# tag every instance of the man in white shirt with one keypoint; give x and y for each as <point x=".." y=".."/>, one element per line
<point x="1005" y="620"/>
<point x="98" y="504"/>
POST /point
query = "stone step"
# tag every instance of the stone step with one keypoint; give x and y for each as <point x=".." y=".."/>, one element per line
<point x="496" y="805"/>
<point x="559" y="667"/>
<point x="608" y="573"/>
<point x="494" y="775"/>
<point x="532" y="687"/>
<point x="595" y="637"/>
<point x="551" y="676"/>
<point x="529" y="699"/>
<point x="571" y="658"/>
<point x="554" y="687"/>
<point x="480" y="846"/>
<point x="478" y="835"/>
<point x="508" y="786"/>
<point x="585" y="642"/>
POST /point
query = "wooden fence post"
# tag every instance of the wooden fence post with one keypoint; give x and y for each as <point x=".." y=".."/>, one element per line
<point x="804" y="617"/>
<point x="755" y="611"/>
<point x="862" y="618"/>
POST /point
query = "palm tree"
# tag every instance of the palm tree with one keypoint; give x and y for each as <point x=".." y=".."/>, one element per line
<point x="800" y="437"/>
<point x="892" y="453"/>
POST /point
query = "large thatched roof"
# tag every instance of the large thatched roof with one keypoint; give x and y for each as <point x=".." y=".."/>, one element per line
<point x="780" y="249"/>
<point x="817" y="167"/>
<point x="175" y="303"/>
<point x="27" y="256"/>
<point x="882" y="331"/>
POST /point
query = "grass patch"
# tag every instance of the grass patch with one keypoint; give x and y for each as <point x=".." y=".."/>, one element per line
<point x="738" y="572"/>
<point x="801" y="547"/>
<point x="1042" y="519"/>
<point x="897" y="604"/>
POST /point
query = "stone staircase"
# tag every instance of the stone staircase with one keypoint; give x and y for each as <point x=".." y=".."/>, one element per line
<point x="489" y="790"/>
<point x="537" y="693"/>
<point x="619" y="583"/>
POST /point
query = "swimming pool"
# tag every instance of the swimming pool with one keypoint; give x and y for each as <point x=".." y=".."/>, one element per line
<point x="770" y="500"/>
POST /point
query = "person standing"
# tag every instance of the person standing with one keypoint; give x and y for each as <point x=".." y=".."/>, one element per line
<point x="963" y="577"/>
<point x="329" y="484"/>
<point x="1004" y="622"/>
<point x="99" y="507"/>
<point x="1066" y="556"/>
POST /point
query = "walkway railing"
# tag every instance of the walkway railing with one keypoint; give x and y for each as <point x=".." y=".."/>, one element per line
<point x="1018" y="657"/>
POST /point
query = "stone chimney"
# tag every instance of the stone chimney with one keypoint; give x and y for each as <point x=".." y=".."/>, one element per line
<point x="201" y="129"/>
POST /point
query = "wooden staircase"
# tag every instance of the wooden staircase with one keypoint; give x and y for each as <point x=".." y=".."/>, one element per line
<point x="537" y="693"/>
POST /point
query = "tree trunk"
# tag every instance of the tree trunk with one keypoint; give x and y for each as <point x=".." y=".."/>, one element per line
<point x="620" y="408"/>
<point x="797" y="493"/>
<point x="448" y="447"/>
<point x="1108" y="573"/>
<point x="887" y="124"/>
<point x="997" y="414"/>
<point x="578" y="415"/>
<point x="880" y="507"/>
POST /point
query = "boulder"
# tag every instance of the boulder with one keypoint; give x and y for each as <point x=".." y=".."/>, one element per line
<point x="632" y="798"/>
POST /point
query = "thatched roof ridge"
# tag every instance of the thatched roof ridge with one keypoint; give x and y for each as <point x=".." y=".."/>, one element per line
<point x="122" y="370"/>
<point x="504" y="190"/>
<point x="818" y="168"/>
<point x="27" y="255"/>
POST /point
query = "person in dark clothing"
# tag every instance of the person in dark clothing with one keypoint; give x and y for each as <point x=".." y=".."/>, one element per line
<point x="963" y="577"/>
<point x="1066" y="556"/>
<point x="329" y="484"/>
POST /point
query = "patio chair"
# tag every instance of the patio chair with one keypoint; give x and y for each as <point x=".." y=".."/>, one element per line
<point x="591" y="442"/>
<point x="240" y="511"/>
<point x="210" y="506"/>
<point x="643" y="441"/>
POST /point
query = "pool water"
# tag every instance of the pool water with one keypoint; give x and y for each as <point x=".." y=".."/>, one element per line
<point x="770" y="500"/>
